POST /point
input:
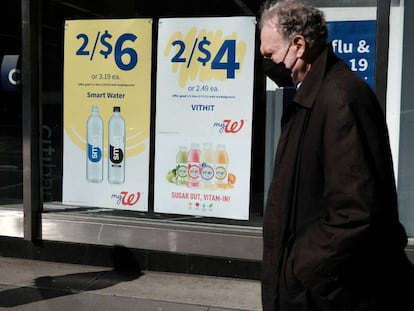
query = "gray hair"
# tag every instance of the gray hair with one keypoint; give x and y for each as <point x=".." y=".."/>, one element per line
<point x="294" y="17"/>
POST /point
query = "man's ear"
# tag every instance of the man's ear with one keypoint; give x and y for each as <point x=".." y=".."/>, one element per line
<point x="299" y="44"/>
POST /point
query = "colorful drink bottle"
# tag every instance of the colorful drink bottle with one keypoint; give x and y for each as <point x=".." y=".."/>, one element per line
<point x="222" y="161"/>
<point x="116" y="156"/>
<point x="193" y="166"/>
<point x="207" y="166"/>
<point x="181" y="169"/>
<point x="94" y="146"/>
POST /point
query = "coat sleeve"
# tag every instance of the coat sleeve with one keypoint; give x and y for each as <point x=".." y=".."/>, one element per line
<point x="352" y="201"/>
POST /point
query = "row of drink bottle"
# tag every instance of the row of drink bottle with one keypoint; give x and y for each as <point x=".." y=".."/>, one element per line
<point x="116" y="147"/>
<point x="205" y="168"/>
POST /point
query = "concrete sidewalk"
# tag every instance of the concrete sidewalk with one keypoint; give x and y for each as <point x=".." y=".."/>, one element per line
<point x="40" y="285"/>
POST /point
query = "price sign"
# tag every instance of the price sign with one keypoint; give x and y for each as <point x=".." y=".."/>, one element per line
<point x="203" y="53"/>
<point x="225" y="58"/>
<point x="107" y="70"/>
<point x="203" y="116"/>
<point x="107" y="48"/>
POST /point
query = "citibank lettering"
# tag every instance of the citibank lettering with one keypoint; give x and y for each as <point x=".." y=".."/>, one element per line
<point x="126" y="198"/>
<point x="229" y="126"/>
<point x="10" y="73"/>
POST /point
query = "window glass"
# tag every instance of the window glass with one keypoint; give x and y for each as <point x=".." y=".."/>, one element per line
<point x="53" y="16"/>
<point x="11" y="176"/>
<point x="11" y="161"/>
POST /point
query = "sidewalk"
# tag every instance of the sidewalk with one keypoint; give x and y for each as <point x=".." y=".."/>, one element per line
<point x="38" y="285"/>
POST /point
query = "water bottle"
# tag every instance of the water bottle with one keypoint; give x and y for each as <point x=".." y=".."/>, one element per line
<point x="207" y="166"/>
<point x="194" y="168"/>
<point x="94" y="146"/>
<point x="222" y="160"/>
<point x="181" y="168"/>
<point x="116" y="156"/>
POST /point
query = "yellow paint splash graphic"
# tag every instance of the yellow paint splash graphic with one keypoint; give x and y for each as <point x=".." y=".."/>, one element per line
<point x="192" y="54"/>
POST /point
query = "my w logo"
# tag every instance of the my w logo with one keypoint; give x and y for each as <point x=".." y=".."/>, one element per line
<point x="233" y="126"/>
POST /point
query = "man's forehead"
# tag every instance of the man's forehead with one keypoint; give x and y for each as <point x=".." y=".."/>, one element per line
<point x="272" y="23"/>
<point x="270" y="31"/>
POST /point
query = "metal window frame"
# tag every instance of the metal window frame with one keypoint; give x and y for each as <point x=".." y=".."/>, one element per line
<point x="31" y="116"/>
<point x="382" y="51"/>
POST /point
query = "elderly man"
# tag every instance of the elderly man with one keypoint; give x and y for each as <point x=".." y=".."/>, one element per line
<point x="332" y="237"/>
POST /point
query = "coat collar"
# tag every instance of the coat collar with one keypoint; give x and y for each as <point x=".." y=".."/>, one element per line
<point x="310" y="86"/>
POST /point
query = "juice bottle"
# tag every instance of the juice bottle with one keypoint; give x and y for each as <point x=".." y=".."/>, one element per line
<point x="193" y="166"/>
<point x="181" y="169"/>
<point x="207" y="166"/>
<point x="222" y="161"/>
<point x="94" y="146"/>
<point x="116" y="157"/>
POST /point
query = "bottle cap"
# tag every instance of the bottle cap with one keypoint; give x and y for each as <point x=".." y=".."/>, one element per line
<point x="117" y="109"/>
<point x="221" y="147"/>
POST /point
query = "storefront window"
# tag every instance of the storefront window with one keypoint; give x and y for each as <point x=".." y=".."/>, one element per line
<point x="60" y="18"/>
<point x="11" y="162"/>
<point x="11" y="177"/>
<point x="116" y="47"/>
<point x="57" y="19"/>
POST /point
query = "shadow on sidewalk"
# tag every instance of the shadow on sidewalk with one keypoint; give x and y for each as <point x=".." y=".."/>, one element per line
<point x="126" y="268"/>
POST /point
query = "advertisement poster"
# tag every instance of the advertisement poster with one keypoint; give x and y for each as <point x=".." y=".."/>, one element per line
<point x="107" y="97"/>
<point x="204" y="116"/>
<point x="354" y="42"/>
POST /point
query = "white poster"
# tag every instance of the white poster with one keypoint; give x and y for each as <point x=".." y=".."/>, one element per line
<point x="107" y="100"/>
<point x="204" y="105"/>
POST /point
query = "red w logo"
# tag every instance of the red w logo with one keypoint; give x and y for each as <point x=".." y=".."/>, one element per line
<point x="233" y="127"/>
<point x="130" y="199"/>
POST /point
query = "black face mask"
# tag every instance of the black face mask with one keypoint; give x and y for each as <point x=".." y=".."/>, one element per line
<point x="278" y="72"/>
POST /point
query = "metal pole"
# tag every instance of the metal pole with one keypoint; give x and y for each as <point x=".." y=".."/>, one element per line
<point x="32" y="199"/>
<point x="381" y="61"/>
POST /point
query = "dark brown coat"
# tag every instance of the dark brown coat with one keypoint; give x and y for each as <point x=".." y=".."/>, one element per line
<point x="332" y="238"/>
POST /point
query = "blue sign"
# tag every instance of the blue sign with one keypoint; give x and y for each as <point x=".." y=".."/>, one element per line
<point x="10" y="73"/>
<point x="354" y="42"/>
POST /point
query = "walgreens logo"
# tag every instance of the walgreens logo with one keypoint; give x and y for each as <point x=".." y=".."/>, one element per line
<point x="126" y="198"/>
<point x="230" y="126"/>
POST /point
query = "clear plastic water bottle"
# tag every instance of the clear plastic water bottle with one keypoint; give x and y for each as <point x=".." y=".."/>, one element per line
<point x="116" y="150"/>
<point x="94" y="146"/>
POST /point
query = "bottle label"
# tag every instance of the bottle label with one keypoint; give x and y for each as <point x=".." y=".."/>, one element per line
<point x="207" y="172"/>
<point x="94" y="152"/>
<point x="181" y="171"/>
<point x="194" y="171"/>
<point x="221" y="174"/>
<point x="181" y="177"/>
<point x="116" y="153"/>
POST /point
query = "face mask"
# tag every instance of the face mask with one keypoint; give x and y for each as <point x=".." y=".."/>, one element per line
<point x="278" y="72"/>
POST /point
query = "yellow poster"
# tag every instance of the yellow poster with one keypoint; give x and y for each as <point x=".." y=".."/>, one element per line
<point x="107" y="97"/>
